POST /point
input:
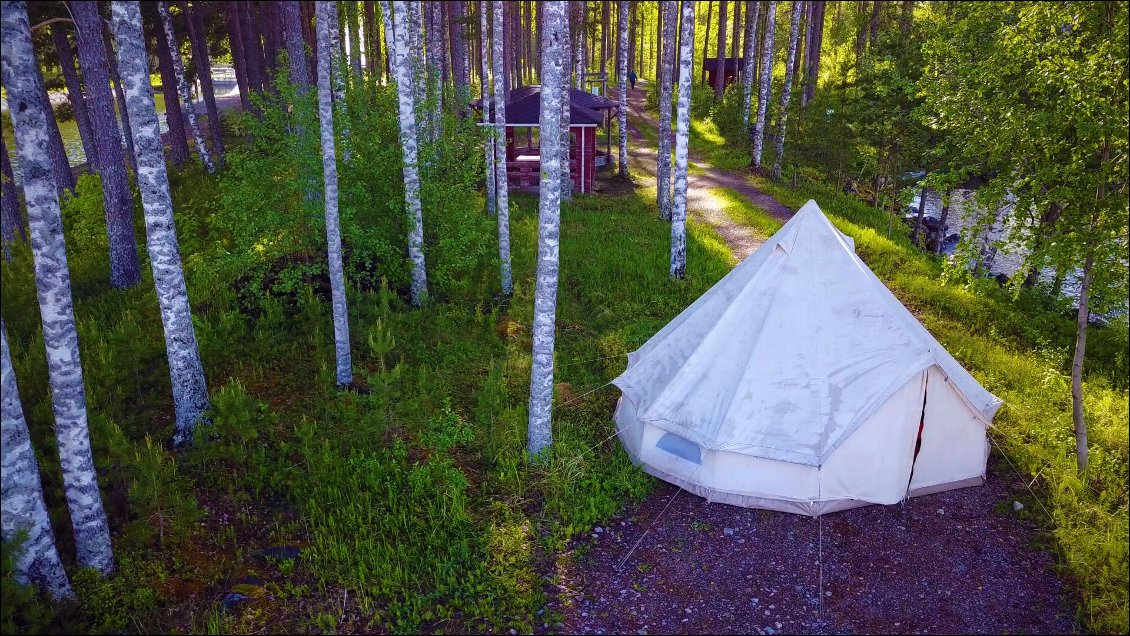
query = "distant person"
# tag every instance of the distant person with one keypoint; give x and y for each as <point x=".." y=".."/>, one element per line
<point x="632" y="78"/>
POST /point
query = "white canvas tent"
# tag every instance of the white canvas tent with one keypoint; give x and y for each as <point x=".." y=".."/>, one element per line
<point x="800" y="383"/>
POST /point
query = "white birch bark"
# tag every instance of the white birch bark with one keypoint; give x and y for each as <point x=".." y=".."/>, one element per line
<point x="787" y="89"/>
<point x="554" y="83"/>
<point x="435" y="66"/>
<point x="667" y="75"/>
<point x="622" y="64"/>
<point x="11" y="221"/>
<point x="579" y="39"/>
<point x="22" y="79"/>
<point x="182" y="86"/>
<point x="21" y="493"/>
<point x="749" y="49"/>
<point x="125" y="269"/>
<point x="484" y="54"/>
<point x="407" y="112"/>
<point x="325" y="25"/>
<point x="682" y="140"/>
<point x="766" y="83"/>
<point x="190" y="391"/>
<point x="502" y="187"/>
<point x="565" y="134"/>
<point x="337" y="78"/>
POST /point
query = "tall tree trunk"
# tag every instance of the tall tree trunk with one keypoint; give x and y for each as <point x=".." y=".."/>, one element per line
<point x="942" y="221"/>
<point x="605" y="24"/>
<point x="190" y="391"/>
<point x="502" y="189"/>
<point x="266" y="22"/>
<point x="565" y="132"/>
<point x="252" y="48"/>
<point x="182" y="86"/>
<point x="873" y="26"/>
<point x="861" y="31"/>
<point x="682" y="139"/>
<point x="337" y="80"/>
<point x="633" y="62"/>
<point x="125" y="269"/>
<point x="203" y="61"/>
<point x="485" y="84"/>
<point x="554" y="82"/>
<point x="351" y="19"/>
<point x="235" y="42"/>
<point x="622" y="114"/>
<point x="578" y="44"/>
<point x="749" y="51"/>
<point x="60" y="163"/>
<point x="307" y="8"/>
<point x="75" y="95"/>
<point x="372" y="39"/>
<point x="1082" y="319"/>
<point x="766" y="83"/>
<point x="669" y="9"/>
<point x="787" y="89"/>
<point x="923" y="196"/>
<point x="325" y="25"/>
<point x="12" y="225"/>
<point x="21" y="492"/>
<point x="720" y="71"/>
<point x="178" y="138"/>
<point x="30" y="116"/>
<point x="905" y="18"/>
<point x="407" y="111"/>
<point x="735" y="44"/>
<point x="706" y="42"/>
<point x="459" y="70"/>
<point x="120" y="96"/>
<point x="291" y="15"/>
<point x="812" y="51"/>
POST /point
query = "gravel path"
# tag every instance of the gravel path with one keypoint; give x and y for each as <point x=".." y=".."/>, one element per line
<point x="956" y="562"/>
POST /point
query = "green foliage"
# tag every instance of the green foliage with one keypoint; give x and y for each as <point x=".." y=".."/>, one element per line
<point x="728" y="117"/>
<point x="23" y="610"/>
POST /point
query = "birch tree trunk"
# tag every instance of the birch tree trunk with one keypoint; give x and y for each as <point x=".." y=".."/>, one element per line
<point x="407" y="112"/>
<point x="337" y="80"/>
<point x="325" y="26"/>
<point x="1082" y="319"/>
<point x="787" y="89"/>
<point x="182" y="87"/>
<point x="174" y="118"/>
<point x="667" y="68"/>
<point x="11" y="221"/>
<point x="75" y="95"/>
<point x="125" y="269"/>
<point x="235" y="43"/>
<point x="554" y="83"/>
<point x="203" y="62"/>
<point x="720" y="72"/>
<point x="190" y="391"/>
<point x="502" y="189"/>
<point x="766" y="82"/>
<point x="565" y="134"/>
<point x="484" y="56"/>
<point x="21" y="493"/>
<point x="622" y="64"/>
<point x="749" y="73"/>
<point x="22" y="79"/>
<point x="682" y="140"/>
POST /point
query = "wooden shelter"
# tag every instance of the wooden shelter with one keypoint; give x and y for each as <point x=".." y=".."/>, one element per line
<point x="587" y="112"/>
<point x="731" y="66"/>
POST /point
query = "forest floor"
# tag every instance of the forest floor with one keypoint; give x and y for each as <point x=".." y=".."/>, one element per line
<point x="961" y="561"/>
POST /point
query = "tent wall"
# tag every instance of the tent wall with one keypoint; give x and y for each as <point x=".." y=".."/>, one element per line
<point x="955" y="447"/>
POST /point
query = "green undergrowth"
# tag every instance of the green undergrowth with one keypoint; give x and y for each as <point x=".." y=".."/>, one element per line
<point x="1019" y="347"/>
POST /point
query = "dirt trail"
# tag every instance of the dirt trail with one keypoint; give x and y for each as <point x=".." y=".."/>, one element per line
<point x="961" y="561"/>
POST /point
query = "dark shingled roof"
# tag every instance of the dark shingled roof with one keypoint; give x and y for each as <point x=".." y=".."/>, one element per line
<point x="524" y="107"/>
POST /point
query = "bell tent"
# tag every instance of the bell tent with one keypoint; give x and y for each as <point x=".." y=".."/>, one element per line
<point x="800" y="383"/>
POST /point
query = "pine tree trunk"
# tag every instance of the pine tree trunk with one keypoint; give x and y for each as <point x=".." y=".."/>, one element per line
<point x="565" y="146"/>
<point x="190" y="391"/>
<point x="813" y="36"/>
<point x="622" y="114"/>
<point x="291" y="15"/>
<point x="252" y="48"/>
<point x="372" y="39"/>
<point x="178" y="138"/>
<point x="120" y="96"/>
<point x="921" y="213"/>
<point x="905" y="17"/>
<point x="407" y="112"/>
<point x="682" y="139"/>
<point x="706" y="42"/>
<point x="235" y="43"/>
<point x="75" y="95"/>
<point x="30" y="117"/>
<point x="749" y="51"/>
<point x="861" y="31"/>
<point x="502" y="190"/>
<point x="787" y="89"/>
<point x="21" y="492"/>
<point x="307" y="8"/>
<point x="12" y="226"/>
<point x="60" y="164"/>
<point x="735" y="44"/>
<point x="605" y="25"/>
<point x="203" y="62"/>
<point x="182" y="86"/>
<point x="125" y="269"/>
<point x="942" y="221"/>
<point x="459" y="55"/>
<point x="720" y="71"/>
<point x="632" y="30"/>
<point x="485" y="84"/>
<point x="873" y="26"/>
<point x="669" y="8"/>
<point x="353" y="26"/>
<point x="554" y="82"/>
<point x="1082" y="320"/>
<point x="766" y="83"/>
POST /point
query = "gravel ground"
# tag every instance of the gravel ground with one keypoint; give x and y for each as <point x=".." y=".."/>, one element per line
<point x="951" y="563"/>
